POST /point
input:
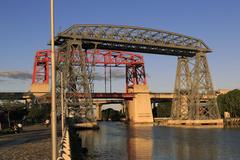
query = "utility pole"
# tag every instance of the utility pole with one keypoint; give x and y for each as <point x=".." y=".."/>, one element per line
<point x="110" y="77"/>
<point x="62" y="104"/>
<point x="53" y="87"/>
<point x="105" y="78"/>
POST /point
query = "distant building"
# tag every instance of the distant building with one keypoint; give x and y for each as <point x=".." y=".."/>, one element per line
<point x="222" y="91"/>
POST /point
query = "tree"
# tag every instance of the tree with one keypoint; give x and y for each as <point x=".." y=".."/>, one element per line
<point x="229" y="102"/>
<point x="39" y="113"/>
<point x="111" y="114"/>
<point x="15" y="111"/>
<point x="163" y="109"/>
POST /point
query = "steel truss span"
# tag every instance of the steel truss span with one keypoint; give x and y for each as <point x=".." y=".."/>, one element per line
<point x="135" y="39"/>
<point x="134" y="63"/>
<point x="194" y="97"/>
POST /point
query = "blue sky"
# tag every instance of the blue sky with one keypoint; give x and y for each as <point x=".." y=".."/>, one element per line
<point x="25" y="28"/>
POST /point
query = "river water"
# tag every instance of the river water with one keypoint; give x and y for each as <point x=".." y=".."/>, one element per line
<point x="117" y="141"/>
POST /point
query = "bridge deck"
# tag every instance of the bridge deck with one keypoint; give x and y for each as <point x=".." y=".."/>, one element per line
<point x="135" y="39"/>
<point x="15" y="95"/>
<point x="115" y="95"/>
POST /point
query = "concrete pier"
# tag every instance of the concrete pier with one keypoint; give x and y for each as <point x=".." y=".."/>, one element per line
<point x="98" y="112"/>
<point x="214" y="123"/>
<point x="139" y="109"/>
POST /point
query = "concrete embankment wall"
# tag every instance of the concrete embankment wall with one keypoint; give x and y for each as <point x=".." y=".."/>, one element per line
<point x="214" y="123"/>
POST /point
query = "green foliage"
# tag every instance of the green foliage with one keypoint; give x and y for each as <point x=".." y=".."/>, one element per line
<point x="230" y="102"/>
<point x="39" y="113"/>
<point x="162" y="110"/>
<point x="11" y="105"/>
<point x="11" y="111"/>
<point x="111" y="114"/>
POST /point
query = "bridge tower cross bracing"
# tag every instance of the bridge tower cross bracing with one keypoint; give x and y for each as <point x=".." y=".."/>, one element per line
<point x="40" y="75"/>
<point x="182" y="90"/>
<point x="194" y="96"/>
<point x="203" y="104"/>
<point x="77" y="79"/>
<point x="135" y="74"/>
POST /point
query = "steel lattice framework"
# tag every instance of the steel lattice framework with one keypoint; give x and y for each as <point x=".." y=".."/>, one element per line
<point x="106" y="57"/>
<point x="203" y="104"/>
<point x="194" y="96"/>
<point x="136" y="39"/>
<point x="192" y="86"/>
<point x="182" y="90"/>
<point x="134" y="63"/>
<point x="69" y="63"/>
<point x="41" y="67"/>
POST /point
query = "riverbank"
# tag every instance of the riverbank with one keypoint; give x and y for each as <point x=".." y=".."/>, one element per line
<point x="33" y="143"/>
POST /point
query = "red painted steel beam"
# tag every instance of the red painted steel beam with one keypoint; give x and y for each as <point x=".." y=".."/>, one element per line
<point x="107" y="57"/>
<point x="135" y="72"/>
<point x="41" y="67"/>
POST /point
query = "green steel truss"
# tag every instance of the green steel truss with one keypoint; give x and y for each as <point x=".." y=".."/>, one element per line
<point x="136" y="39"/>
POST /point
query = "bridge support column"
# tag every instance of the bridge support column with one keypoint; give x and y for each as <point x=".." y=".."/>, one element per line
<point x="77" y="78"/>
<point x="98" y="112"/>
<point x="203" y="104"/>
<point x="40" y="76"/>
<point x="194" y="97"/>
<point x="182" y="90"/>
<point x="139" y="109"/>
<point x="39" y="89"/>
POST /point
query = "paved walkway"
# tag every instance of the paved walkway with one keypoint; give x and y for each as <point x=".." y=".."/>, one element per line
<point x="33" y="143"/>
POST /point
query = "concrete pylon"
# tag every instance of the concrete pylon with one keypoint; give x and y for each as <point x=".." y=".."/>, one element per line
<point x="40" y="89"/>
<point x="139" y="109"/>
<point x="98" y="112"/>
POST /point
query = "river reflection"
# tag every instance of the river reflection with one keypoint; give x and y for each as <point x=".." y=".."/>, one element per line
<point x="118" y="141"/>
<point x="140" y="142"/>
